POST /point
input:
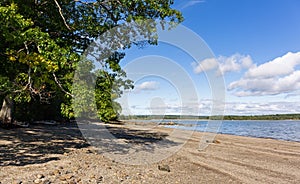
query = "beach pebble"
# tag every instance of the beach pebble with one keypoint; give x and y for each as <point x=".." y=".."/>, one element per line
<point x="16" y="182"/>
<point x="47" y="182"/>
<point x="72" y="182"/>
<point x="99" y="179"/>
<point x="164" y="168"/>
<point x="38" y="181"/>
<point x="62" y="178"/>
<point x="40" y="176"/>
<point x="88" y="151"/>
<point x="55" y="172"/>
<point x="68" y="176"/>
<point x="216" y="141"/>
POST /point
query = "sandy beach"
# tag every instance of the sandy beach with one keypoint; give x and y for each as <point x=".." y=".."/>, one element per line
<point x="60" y="154"/>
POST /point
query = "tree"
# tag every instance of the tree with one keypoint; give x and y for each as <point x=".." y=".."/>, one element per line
<point x="41" y="45"/>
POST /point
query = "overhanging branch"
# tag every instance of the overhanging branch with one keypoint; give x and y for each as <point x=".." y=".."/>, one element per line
<point x="61" y="14"/>
<point x="60" y="86"/>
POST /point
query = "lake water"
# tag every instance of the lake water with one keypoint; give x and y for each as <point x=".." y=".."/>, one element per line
<point x="284" y="130"/>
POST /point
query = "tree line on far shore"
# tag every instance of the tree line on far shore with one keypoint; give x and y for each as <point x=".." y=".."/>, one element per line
<point x="225" y="117"/>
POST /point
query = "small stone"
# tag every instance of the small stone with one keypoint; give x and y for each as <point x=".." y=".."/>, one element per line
<point x="40" y="176"/>
<point x="72" y="182"/>
<point x="88" y="151"/>
<point x="55" y="172"/>
<point x="38" y="181"/>
<point x="68" y="176"/>
<point x="164" y="168"/>
<point x="100" y="179"/>
<point x="62" y="178"/>
<point x="216" y="141"/>
<point x="67" y="172"/>
<point x="47" y="182"/>
<point x="16" y="182"/>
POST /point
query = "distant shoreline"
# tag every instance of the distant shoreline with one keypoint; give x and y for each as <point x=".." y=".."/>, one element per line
<point x="225" y="117"/>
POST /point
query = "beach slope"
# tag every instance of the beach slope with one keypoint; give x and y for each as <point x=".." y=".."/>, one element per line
<point x="59" y="154"/>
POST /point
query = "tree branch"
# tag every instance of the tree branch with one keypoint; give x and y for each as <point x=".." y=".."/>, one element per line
<point x="60" y="86"/>
<point x="61" y="14"/>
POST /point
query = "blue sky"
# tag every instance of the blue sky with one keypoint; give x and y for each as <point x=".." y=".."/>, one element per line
<point x="256" y="52"/>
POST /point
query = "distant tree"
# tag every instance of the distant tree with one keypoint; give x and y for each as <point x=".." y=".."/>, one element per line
<point x="41" y="45"/>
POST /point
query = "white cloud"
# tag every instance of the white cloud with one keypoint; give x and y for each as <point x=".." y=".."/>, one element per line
<point x="234" y="63"/>
<point x="204" y="107"/>
<point x="187" y="4"/>
<point x="278" y="76"/>
<point x="280" y="66"/>
<point x="205" y="65"/>
<point x="148" y="86"/>
<point x="259" y="108"/>
<point x="224" y="64"/>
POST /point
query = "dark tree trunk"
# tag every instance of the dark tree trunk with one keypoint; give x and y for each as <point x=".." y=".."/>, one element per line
<point x="6" y="113"/>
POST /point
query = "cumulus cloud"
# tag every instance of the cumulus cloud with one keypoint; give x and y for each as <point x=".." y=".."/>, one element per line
<point x="205" y="65"/>
<point x="224" y="64"/>
<point x="234" y="63"/>
<point x="278" y="76"/>
<point x="278" y="67"/>
<point x="148" y="86"/>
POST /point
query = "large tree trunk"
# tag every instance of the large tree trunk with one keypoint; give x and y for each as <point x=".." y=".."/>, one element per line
<point x="6" y="113"/>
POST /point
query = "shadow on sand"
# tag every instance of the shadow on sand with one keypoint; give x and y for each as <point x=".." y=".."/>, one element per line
<point x="38" y="143"/>
<point x="42" y="143"/>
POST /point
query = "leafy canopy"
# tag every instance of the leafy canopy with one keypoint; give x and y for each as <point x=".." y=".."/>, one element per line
<point x="42" y="42"/>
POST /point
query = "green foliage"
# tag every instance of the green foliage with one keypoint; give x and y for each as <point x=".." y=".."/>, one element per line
<point x="109" y="87"/>
<point x="96" y="90"/>
<point x="41" y="45"/>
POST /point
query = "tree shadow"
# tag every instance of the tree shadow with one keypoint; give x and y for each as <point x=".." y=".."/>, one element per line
<point x="123" y="140"/>
<point x="136" y="136"/>
<point x="43" y="143"/>
<point x="38" y="143"/>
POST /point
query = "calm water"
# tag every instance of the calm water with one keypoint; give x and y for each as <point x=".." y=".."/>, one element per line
<point x="284" y="130"/>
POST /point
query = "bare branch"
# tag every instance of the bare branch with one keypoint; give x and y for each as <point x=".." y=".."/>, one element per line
<point x="61" y="14"/>
<point x="28" y="85"/>
<point x="60" y="86"/>
<point x="27" y="50"/>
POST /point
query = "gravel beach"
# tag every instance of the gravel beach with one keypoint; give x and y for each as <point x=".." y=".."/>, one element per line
<point x="60" y="154"/>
